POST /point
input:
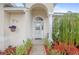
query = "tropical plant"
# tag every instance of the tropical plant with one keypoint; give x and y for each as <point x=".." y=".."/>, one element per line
<point x="28" y="43"/>
<point x="21" y="50"/>
<point x="77" y="30"/>
<point x="67" y="29"/>
<point x="24" y="48"/>
<point x="55" y="29"/>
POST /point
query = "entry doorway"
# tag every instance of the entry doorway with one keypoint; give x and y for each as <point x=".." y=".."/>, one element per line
<point x="38" y="28"/>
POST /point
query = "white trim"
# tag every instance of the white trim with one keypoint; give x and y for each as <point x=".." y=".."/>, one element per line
<point x="50" y="27"/>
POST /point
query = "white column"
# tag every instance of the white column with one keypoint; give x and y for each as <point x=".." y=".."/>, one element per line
<point x="1" y="27"/>
<point x="50" y="27"/>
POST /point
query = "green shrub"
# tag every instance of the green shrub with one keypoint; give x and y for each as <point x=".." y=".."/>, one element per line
<point x="55" y="28"/>
<point x="68" y="28"/>
<point x="28" y="44"/>
<point x="21" y="50"/>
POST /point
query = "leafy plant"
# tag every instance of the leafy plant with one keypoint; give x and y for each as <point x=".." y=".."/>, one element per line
<point x="21" y="50"/>
<point x="28" y="44"/>
<point x="9" y="51"/>
<point x="67" y="29"/>
<point x="24" y="49"/>
<point x="55" y="29"/>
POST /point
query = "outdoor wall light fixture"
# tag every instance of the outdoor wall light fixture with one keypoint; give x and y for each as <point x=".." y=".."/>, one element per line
<point x="12" y="28"/>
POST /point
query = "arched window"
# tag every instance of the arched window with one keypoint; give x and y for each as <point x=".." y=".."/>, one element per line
<point x="39" y="23"/>
<point x="39" y="19"/>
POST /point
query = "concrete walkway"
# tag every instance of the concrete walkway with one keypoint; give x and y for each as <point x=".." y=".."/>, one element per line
<point x="38" y="48"/>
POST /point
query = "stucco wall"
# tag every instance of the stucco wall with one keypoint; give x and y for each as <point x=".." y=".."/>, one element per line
<point x="23" y="24"/>
<point x="6" y="29"/>
<point x="23" y="28"/>
<point x="1" y="27"/>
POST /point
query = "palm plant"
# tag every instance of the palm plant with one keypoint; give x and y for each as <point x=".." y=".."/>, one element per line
<point x="77" y="30"/>
<point x="24" y="48"/>
<point x="55" y="29"/>
<point x="68" y="28"/>
<point x="63" y="29"/>
<point x="28" y="44"/>
<point x="21" y="50"/>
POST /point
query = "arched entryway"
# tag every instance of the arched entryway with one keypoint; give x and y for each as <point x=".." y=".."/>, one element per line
<point x="39" y="18"/>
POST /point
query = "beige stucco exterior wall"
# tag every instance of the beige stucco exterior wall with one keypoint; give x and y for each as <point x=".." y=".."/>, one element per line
<point x="1" y="27"/>
<point x="6" y="29"/>
<point x="23" y="30"/>
<point x="23" y="22"/>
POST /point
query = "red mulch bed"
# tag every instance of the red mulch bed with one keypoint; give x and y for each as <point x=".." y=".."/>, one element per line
<point x="12" y="50"/>
<point x="62" y="47"/>
<point x="8" y="51"/>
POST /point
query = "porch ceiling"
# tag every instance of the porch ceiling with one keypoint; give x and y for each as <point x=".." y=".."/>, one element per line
<point x="39" y="11"/>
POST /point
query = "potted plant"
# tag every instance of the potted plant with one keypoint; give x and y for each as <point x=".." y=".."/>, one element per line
<point x="12" y="28"/>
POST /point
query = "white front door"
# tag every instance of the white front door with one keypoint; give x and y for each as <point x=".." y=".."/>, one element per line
<point x="38" y="28"/>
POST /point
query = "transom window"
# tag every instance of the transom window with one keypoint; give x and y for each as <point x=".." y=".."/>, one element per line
<point x="39" y="19"/>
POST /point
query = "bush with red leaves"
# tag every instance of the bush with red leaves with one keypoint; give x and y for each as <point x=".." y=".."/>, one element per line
<point x="66" y="49"/>
<point x="72" y="50"/>
<point x="8" y="51"/>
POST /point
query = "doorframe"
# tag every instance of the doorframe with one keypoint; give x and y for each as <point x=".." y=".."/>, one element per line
<point x="33" y="22"/>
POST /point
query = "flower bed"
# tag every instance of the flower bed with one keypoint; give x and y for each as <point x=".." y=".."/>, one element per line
<point x="23" y="49"/>
<point x="62" y="49"/>
<point x="66" y="32"/>
<point x="9" y="51"/>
